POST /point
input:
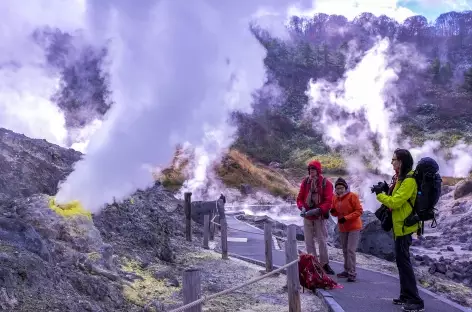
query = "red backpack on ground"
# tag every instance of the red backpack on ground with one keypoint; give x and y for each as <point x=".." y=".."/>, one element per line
<point x="312" y="275"/>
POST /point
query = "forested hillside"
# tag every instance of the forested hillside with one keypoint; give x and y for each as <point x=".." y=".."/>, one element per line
<point x="436" y="98"/>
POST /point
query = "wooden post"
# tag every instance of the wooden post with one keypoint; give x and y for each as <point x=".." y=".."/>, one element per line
<point x="188" y="216"/>
<point x="192" y="289"/>
<point x="268" y="246"/>
<point x="293" y="282"/>
<point x="206" y="230"/>
<point x="224" y="239"/>
<point x="212" y="226"/>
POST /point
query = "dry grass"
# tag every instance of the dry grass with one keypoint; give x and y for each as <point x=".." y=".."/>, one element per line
<point x="237" y="169"/>
<point x="174" y="177"/>
<point x="451" y="181"/>
<point x="331" y="163"/>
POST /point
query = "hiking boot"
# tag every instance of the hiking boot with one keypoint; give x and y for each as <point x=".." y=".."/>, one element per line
<point x="398" y="301"/>
<point x="342" y="275"/>
<point x="413" y="307"/>
<point x="351" y="279"/>
<point x="328" y="269"/>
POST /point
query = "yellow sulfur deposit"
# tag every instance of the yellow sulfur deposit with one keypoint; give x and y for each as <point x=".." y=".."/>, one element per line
<point x="73" y="208"/>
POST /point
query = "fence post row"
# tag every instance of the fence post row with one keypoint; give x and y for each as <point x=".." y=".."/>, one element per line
<point x="192" y="279"/>
<point x="268" y="246"/>
<point x="192" y="289"/>
<point x="293" y="281"/>
<point x="188" y="216"/>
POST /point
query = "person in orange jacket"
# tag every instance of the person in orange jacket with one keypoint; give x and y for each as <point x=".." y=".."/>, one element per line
<point x="347" y="207"/>
<point x="314" y="200"/>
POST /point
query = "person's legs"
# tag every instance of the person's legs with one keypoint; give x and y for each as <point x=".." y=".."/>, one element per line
<point x="409" y="294"/>
<point x="343" y="236"/>
<point x="321" y="234"/>
<point x="351" y="247"/>
<point x="308" y="232"/>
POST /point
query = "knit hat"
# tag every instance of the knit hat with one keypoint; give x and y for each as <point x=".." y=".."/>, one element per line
<point x="341" y="181"/>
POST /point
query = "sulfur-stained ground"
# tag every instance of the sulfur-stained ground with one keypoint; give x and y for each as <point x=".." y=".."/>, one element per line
<point x="161" y="285"/>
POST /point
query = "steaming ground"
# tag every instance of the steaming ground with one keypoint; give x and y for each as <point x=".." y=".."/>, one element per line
<point x="357" y="114"/>
<point x="162" y="96"/>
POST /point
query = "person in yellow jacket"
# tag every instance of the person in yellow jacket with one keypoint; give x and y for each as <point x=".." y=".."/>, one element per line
<point x="404" y="193"/>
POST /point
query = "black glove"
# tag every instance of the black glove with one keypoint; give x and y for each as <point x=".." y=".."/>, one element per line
<point x="385" y="187"/>
<point x="342" y="220"/>
<point x="379" y="188"/>
<point x="313" y="212"/>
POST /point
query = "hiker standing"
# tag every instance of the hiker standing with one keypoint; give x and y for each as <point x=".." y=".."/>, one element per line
<point x="347" y="207"/>
<point x="404" y="193"/>
<point x="314" y="200"/>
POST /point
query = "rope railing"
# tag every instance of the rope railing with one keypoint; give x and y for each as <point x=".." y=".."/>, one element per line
<point x="229" y="290"/>
<point x="249" y="232"/>
<point x="191" y="279"/>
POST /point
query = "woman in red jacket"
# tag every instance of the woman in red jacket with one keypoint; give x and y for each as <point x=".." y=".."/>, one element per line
<point x="314" y="200"/>
<point x="347" y="207"/>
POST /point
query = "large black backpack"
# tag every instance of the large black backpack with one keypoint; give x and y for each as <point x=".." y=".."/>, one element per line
<point x="429" y="184"/>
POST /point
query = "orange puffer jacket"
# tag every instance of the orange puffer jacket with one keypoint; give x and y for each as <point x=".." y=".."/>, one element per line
<point x="349" y="207"/>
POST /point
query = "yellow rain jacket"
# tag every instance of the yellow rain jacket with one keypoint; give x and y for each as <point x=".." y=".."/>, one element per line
<point x="398" y="202"/>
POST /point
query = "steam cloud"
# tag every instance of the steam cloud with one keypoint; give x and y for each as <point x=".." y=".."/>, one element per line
<point x="357" y="115"/>
<point x="178" y="68"/>
<point x="26" y="84"/>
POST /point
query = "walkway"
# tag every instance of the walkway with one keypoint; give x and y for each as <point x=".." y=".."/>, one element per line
<point x="373" y="291"/>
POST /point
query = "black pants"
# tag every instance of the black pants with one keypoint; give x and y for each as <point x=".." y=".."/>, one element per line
<point x="408" y="289"/>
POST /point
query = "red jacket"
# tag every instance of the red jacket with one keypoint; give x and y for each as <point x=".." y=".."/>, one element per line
<point x="326" y="193"/>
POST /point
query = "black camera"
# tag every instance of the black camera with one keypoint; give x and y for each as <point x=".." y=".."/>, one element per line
<point x="380" y="187"/>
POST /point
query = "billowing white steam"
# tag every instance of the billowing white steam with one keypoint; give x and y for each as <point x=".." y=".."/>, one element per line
<point x="356" y="115"/>
<point x="178" y="68"/>
<point x="26" y="85"/>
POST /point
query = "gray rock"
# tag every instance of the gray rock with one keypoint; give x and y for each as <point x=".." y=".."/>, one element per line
<point x="299" y="235"/>
<point x="172" y="282"/>
<point x="463" y="188"/>
<point x="47" y="164"/>
<point x="374" y="240"/>
<point x="459" y="208"/>
<point x="200" y="208"/>
<point x="263" y="219"/>
<point x="246" y="189"/>
<point x="445" y="189"/>
<point x="19" y="234"/>
<point x="48" y="262"/>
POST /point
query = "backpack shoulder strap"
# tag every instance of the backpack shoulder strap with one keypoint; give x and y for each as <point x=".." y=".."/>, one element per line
<point x="411" y="176"/>
<point x="305" y="181"/>
<point x="323" y="183"/>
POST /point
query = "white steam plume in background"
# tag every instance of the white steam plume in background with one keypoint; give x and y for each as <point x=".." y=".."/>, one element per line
<point x="178" y="69"/>
<point x="356" y="115"/>
<point x="26" y="85"/>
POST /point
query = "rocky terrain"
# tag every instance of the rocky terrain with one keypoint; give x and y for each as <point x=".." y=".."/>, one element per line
<point x="442" y="256"/>
<point x="130" y="257"/>
<point x="31" y="166"/>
